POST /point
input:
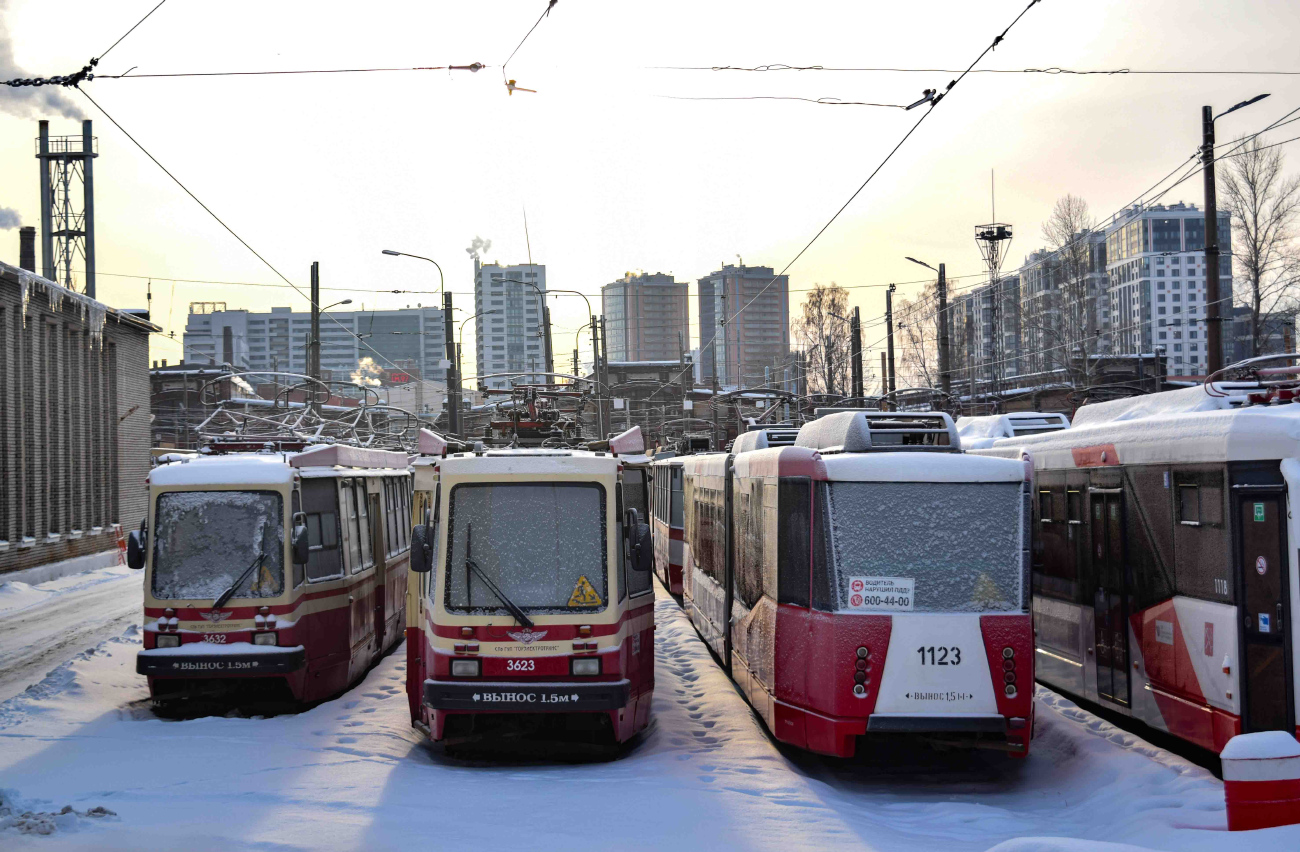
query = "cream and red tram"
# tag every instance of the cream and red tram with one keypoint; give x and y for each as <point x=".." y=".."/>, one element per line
<point x="1165" y="573"/>
<point x="871" y="579"/>
<point x="286" y="565"/>
<point x="535" y="602"/>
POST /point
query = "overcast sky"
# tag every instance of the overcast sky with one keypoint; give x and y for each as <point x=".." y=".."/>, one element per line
<point x="615" y="173"/>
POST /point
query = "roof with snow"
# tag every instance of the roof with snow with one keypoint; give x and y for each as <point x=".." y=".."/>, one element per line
<point x="93" y="311"/>
<point x="1179" y="426"/>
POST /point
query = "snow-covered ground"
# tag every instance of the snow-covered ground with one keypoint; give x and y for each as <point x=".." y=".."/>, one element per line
<point x="352" y="774"/>
<point x="44" y="625"/>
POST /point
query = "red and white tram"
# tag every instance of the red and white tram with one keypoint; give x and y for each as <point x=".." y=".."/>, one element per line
<point x="536" y="603"/>
<point x="1165" y="561"/>
<point x="280" y="565"/>
<point x="870" y="579"/>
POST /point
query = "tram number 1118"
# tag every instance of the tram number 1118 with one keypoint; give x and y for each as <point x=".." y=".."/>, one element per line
<point x="940" y="656"/>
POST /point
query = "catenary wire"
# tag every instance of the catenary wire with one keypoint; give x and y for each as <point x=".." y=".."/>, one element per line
<point x="128" y="32"/>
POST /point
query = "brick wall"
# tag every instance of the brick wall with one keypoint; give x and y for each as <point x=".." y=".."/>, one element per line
<point x="74" y="426"/>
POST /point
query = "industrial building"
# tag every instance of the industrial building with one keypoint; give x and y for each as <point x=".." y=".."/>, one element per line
<point x="74" y="420"/>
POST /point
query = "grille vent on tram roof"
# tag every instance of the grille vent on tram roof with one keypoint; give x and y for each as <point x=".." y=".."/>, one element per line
<point x="882" y="431"/>
<point x="761" y="439"/>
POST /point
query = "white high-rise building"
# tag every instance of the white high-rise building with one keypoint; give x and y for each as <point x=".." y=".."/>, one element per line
<point x="509" y="346"/>
<point x="407" y="338"/>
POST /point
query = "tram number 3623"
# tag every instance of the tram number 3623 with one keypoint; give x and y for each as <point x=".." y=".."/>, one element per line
<point x="520" y="665"/>
<point x="940" y="656"/>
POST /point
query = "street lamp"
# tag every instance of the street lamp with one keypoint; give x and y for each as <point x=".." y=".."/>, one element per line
<point x="441" y="280"/>
<point x="945" y="377"/>
<point x="460" y="335"/>
<point x="451" y="374"/>
<point x="1213" y="323"/>
<point x="312" y="349"/>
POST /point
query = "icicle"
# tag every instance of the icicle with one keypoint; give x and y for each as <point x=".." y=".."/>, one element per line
<point x="25" y="282"/>
<point x="95" y="316"/>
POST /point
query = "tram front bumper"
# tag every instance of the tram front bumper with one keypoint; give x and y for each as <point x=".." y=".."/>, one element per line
<point x="514" y="697"/>
<point x="197" y="659"/>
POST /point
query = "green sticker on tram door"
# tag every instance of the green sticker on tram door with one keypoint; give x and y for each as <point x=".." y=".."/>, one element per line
<point x="1259" y="512"/>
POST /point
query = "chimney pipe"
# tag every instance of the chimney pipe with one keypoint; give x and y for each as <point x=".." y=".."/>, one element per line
<point x="27" y="247"/>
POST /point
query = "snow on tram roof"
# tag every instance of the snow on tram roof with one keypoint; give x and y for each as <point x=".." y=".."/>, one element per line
<point x="235" y="469"/>
<point x="512" y="462"/>
<point x="1180" y="426"/>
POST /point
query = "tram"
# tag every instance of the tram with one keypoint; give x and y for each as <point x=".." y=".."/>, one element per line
<point x="1164" y="567"/>
<point x="666" y="522"/>
<point x="870" y="579"/>
<point x="535" y="596"/>
<point x="272" y="562"/>
<point x="982" y="431"/>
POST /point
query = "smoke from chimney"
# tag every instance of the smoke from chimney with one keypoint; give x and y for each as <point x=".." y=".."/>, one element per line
<point x="9" y="219"/>
<point x="28" y="101"/>
<point x="27" y="248"/>
<point x="478" y="247"/>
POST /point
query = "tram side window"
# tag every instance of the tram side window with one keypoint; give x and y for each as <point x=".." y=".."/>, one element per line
<point x="1074" y="506"/>
<point x="1148" y="534"/>
<point x="794" y="498"/>
<point x="748" y="520"/>
<point x="1202" y="542"/>
<point x="364" y="528"/>
<point x="675" y="498"/>
<point x="320" y="503"/>
<point x="352" y="532"/>
<point x="1045" y="506"/>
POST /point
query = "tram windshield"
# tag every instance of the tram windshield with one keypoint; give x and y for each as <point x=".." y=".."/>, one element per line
<point x="543" y="545"/>
<point x="925" y="546"/>
<point x="204" y="541"/>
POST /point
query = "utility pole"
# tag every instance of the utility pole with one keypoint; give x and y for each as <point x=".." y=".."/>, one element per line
<point x="855" y="327"/>
<point x="313" y="349"/>
<point x="546" y="341"/>
<point x="575" y="362"/>
<point x="884" y="378"/>
<point x="595" y="371"/>
<point x="451" y="374"/>
<point x="1213" y="321"/>
<point x="889" y="328"/>
<point x="713" y="402"/>
<point x="604" y="367"/>
<point x="945" y="364"/>
<point x="830" y="365"/>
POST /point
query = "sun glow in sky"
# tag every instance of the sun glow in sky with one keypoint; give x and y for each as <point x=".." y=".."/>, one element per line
<point x="615" y="171"/>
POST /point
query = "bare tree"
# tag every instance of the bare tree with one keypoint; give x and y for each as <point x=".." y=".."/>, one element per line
<point x="1265" y="206"/>
<point x="1073" y="321"/>
<point x="824" y="337"/>
<point x="917" y="329"/>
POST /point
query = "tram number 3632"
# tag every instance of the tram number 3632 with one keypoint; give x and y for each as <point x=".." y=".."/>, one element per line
<point x="940" y="656"/>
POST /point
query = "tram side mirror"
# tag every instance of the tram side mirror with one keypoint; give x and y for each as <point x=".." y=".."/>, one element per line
<point x="301" y="544"/>
<point x="421" y="551"/>
<point x="136" y="543"/>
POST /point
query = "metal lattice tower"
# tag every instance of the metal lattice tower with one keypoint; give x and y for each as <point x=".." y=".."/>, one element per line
<point x="67" y="228"/>
<point x="990" y="238"/>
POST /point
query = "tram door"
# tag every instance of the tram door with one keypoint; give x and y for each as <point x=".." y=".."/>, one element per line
<point x="1264" y="614"/>
<point x="1109" y="610"/>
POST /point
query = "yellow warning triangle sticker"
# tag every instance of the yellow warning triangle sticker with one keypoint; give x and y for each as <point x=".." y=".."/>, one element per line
<point x="584" y="594"/>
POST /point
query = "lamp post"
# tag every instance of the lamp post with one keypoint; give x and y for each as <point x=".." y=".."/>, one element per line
<point x="451" y="374"/>
<point x="460" y="337"/>
<point x="945" y="371"/>
<point x="1213" y="322"/>
<point x="313" y="345"/>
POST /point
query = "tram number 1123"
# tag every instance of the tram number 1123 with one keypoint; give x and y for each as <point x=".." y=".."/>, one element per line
<point x="940" y="656"/>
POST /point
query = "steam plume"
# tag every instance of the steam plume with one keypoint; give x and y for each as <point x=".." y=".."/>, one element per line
<point x="29" y="101"/>
<point x="478" y="247"/>
<point x="367" y="373"/>
<point x="9" y="219"/>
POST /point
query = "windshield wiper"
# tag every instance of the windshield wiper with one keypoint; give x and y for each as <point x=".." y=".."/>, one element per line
<point x="492" y="587"/>
<point x="229" y="593"/>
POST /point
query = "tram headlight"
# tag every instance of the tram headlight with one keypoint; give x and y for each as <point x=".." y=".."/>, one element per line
<point x="585" y="666"/>
<point x="170" y="640"/>
<point x="464" y="668"/>
<point x="264" y="639"/>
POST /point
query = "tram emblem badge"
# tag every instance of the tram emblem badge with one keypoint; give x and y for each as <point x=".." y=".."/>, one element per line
<point x="528" y="637"/>
<point x="215" y="615"/>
